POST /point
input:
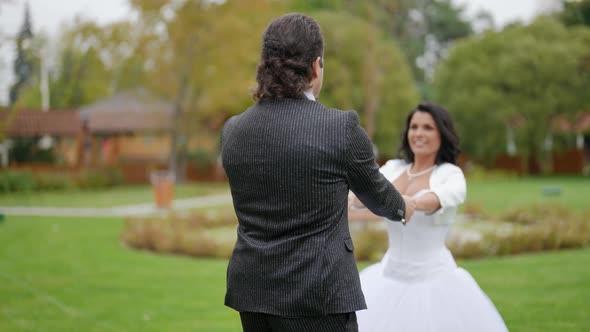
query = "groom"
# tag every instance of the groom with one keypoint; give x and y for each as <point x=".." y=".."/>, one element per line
<point x="291" y="162"/>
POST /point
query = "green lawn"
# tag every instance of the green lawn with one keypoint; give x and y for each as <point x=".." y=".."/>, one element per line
<point x="60" y="274"/>
<point x="542" y="292"/>
<point x="116" y="196"/>
<point x="72" y="274"/>
<point x="499" y="195"/>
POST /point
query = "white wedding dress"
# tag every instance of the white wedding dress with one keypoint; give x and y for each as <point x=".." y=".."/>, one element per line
<point x="418" y="287"/>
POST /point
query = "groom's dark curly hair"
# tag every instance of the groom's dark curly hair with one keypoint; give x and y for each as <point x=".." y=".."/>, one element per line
<point x="290" y="45"/>
<point x="449" y="141"/>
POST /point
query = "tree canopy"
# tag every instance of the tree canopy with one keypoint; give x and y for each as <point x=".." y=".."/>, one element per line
<point x="576" y="12"/>
<point x="24" y="61"/>
<point x="365" y="71"/>
<point x="423" y="29"/>
<point x="514" y="81"/>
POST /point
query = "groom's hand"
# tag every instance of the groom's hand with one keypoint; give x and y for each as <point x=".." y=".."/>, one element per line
<point x="410" y="207"/>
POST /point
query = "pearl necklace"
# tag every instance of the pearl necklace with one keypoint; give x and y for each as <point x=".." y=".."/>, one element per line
<point x="411" y="175"/>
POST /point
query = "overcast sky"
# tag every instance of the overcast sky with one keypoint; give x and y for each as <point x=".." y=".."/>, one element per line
<point x="48" y="15"/>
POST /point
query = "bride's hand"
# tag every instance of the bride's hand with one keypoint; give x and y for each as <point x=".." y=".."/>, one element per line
<point x="410" y="207"/>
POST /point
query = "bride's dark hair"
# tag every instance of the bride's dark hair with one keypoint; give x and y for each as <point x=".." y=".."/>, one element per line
<point x="449" y="141"/>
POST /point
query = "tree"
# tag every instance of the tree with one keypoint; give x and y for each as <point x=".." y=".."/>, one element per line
<point x="365" y="71"/>
<point x="576" y="12"/>
<point x="3" y="124"/>
<point x="93" y="63"/>
<point x="23" y="64"/>
<point x="88" y="66"/>
<point x="203" y="56"/>
<point x="514" y="81"/>
<point x="423" y="29"/>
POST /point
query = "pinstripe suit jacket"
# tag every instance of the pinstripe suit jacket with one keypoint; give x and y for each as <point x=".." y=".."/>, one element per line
<point x="290" y="164"/>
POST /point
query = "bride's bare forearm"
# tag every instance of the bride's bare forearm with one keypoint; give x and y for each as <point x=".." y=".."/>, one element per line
<point x="427" y="202"/>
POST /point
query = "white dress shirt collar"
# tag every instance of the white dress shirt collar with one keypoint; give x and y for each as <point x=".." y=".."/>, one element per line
<point x="309" y="95"/>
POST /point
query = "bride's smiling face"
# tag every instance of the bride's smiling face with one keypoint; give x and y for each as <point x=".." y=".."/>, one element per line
<point x="423" y="135"/>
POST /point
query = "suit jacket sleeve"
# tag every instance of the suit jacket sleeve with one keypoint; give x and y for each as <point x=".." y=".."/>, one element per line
<point x="364" y="178"/>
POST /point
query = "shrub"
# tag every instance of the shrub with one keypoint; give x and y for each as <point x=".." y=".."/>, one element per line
<point x="137" y="233"/>
<point x="26" y="180"/>
<point x="467" y="244"/>
<point x="164" y="239"/>
<point x="529" y="228"/>
<point x="537" y="213"/>
<point x="99" y="178"/>
<point x="473" y="209"/>
<point x="189" y="234"/>
<point x="53" y="181"/>
<point x="523" y="229"/>
<point x="370" y="243"/>
<point x="198" y="245"/>
<point x="16" y="181"/>
<point x="202" y="159"/>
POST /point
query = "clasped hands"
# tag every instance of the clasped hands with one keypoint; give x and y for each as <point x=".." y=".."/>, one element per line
<point x="410" y="208"/>
<point x="355" y="204"/>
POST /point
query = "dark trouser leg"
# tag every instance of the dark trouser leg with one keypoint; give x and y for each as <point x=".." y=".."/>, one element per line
<point x="255" y="322"/>
<point x="331" y="323"/>
<point x="258" y="322"/>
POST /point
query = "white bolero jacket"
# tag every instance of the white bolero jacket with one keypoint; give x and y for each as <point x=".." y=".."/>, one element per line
<point x="447" y="182"/>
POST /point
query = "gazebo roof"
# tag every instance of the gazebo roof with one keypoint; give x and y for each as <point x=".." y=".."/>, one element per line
<point x="134" y="110"/>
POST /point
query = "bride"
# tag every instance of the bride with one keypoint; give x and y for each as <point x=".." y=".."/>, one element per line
<point x="417" y="286"/>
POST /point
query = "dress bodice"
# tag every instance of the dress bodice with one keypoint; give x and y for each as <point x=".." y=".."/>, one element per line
<point x="417" y="250"/>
